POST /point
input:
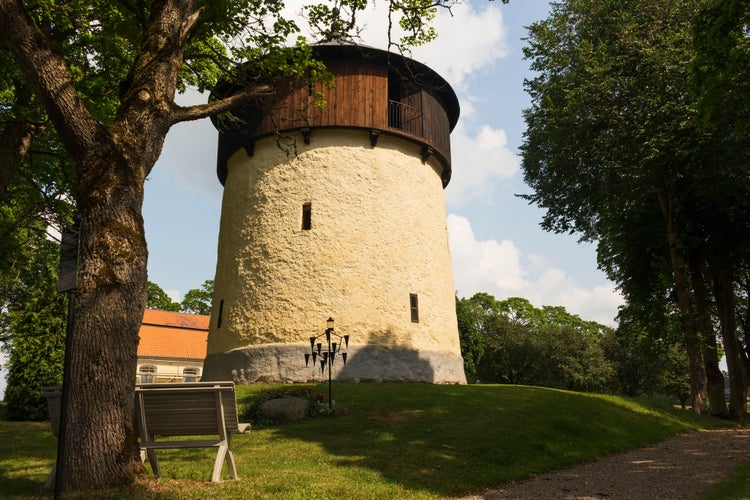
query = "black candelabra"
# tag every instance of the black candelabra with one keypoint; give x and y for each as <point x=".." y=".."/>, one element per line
<point x="325" y="353"/>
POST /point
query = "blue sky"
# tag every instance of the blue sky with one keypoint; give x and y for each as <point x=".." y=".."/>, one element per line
<point x="496" y="242"/>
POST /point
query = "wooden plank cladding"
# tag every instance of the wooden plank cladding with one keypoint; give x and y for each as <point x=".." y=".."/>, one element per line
<point x="359" y="98"/>
<point x="373" y="90"/>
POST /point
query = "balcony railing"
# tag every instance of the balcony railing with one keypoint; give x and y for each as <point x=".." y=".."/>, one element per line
<point x="405" y="117"/>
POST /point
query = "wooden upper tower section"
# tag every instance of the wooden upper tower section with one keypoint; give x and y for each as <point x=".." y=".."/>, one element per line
<point x="373" y="90"/>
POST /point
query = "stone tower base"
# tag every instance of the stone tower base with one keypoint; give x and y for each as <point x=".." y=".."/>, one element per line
<point x="285" y="363"/>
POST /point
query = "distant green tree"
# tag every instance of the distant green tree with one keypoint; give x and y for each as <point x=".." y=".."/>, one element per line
<point x="636" y="364"/>
<point x="512" y="352"/>
<point x="158" y="299"/>
<point x="472" y="346"/>
<point x="32" y="326"/>
<point x="522" y="344"/>
<point x="674" y="376"/>
<point x="198" y="300"/>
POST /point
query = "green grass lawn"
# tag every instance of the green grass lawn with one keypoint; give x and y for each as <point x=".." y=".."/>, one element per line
<point x="397" y="441"/>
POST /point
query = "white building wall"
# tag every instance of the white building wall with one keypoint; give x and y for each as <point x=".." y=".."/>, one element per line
<point x="168" y="369"/>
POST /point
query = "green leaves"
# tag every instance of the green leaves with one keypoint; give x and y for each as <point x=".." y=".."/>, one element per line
<point x="158" y="299"/>
<point x="511" y="341"/>
<point x="637" y="137"/>
<point x="32" y="327"/>
<point x="198" y="300"/>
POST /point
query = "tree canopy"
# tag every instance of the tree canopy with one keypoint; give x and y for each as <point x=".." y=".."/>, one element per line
<point x="622" y="147"/>
<point x="158" y="299"/>
<point x="512" y="342"/>
<point x="198" y="300"/>
<point x="32" y="324"/>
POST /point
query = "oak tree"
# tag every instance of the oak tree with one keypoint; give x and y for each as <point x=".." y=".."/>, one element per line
<point x="105" y="75"/>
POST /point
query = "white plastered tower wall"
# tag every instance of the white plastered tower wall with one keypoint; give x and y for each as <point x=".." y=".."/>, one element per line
<point x="378" y="234"/>
<point x="337" y="211"/>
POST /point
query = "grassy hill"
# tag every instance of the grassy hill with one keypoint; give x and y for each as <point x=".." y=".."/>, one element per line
<point x="396" y="441"/>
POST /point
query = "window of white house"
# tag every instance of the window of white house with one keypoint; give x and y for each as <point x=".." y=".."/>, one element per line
<point x="190" y="374"/>
<point x="147" y="374"/>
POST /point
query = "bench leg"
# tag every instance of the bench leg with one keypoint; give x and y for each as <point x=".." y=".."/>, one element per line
<point x="151" y="454"/>
<point x="230" y="458"/>
<point x="219" y="463"/>
<point x="224" y="454"/>
<point x="230" y="464"/>
<point x="51" y="477"/>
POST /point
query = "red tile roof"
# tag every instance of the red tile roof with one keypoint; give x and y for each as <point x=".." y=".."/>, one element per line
<point x="172" y="334"/>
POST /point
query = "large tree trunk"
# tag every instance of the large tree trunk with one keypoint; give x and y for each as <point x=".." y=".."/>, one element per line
<point x="710" y="351"/>
<point x="696" y="367"/>
<point x="100" y="442"/>
<point x="724" y="292"/>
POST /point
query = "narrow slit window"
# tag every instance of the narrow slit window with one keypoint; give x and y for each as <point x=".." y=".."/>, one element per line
<point x="414" y="306"/>
<point x="221" y="313"/>
<point x="307" y="216"/>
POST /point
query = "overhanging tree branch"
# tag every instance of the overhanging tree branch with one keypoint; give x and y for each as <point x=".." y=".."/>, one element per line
<point x="48" y="73"/>
<point x="180" y="114"/>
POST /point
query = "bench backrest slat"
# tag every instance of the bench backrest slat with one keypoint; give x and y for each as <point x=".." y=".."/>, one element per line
<point x="187" y="409"/>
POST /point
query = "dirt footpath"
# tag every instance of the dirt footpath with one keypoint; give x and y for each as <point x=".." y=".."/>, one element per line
<point x="679" y="468"/>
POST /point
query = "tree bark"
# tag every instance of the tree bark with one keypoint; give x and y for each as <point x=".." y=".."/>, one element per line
<point x="724" y="292"/>
<point x="710" y="351"/>
<point x="696" y="367"/>
<point x="15" y="140"/>
<point x="112" y="290"/>
<point x="101" y="439"/>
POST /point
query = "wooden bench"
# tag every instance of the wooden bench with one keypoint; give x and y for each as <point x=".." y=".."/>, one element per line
<point x="188" y="410"/>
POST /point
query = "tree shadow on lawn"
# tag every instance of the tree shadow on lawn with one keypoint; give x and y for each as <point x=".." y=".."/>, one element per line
<point x="456" y="439"/>
<point x="441" y="443"/>
<point x="27" y="455"/>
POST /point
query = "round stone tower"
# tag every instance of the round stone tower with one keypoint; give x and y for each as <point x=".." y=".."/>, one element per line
<point x="338" y="211"/>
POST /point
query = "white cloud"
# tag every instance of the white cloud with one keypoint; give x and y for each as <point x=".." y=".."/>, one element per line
<point x="469" y="39"/>
<point x="175" y="295"/>
<point x="479" y="163"/>
<point x="189" y="152"/>
<point x="500" y="269"/>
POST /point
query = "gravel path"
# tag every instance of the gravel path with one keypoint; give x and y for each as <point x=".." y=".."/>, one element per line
<point x="679" y="468"/>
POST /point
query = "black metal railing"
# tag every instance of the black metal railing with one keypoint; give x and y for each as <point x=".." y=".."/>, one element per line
<point x="405" y="117"/>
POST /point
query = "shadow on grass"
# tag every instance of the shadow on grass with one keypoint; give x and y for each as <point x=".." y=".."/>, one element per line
<point x="449" y="440"/>
<point x="28" y="455"/>
<point x="13" y="486"/>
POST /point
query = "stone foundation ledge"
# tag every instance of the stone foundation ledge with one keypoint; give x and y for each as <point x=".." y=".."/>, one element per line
<point x="285" y="363"/>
